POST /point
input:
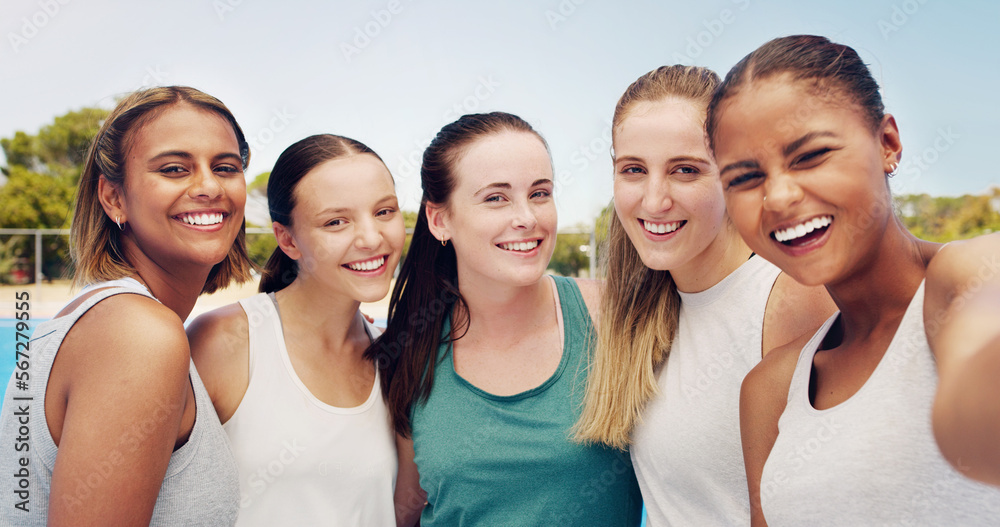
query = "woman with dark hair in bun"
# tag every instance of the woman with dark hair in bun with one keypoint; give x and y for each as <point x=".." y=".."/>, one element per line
<point x="836" y="427"/>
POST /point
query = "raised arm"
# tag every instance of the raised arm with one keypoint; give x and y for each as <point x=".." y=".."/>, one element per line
<point x="116" y="405"/>
<point x="962" y="320"/>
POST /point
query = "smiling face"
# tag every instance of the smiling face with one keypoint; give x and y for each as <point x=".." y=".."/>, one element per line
<point x="347" y="232"/>
<point x="500" y="217"/>
<point x="813" y="155"/>
<point x="184" y="190"/>
<point x="667" y="191"/>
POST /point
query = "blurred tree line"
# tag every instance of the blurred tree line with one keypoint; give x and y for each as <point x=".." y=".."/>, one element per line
<point x="41" y="177"/>
<point x="39" y="183"/>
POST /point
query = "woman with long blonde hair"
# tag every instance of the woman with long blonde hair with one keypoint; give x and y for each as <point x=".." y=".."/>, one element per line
<point x="686" y="312"/>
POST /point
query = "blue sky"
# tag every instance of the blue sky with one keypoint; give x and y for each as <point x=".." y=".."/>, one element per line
<point x="390" y="73"/>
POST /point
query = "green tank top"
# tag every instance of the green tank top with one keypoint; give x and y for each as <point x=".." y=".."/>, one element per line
<point x="496" y="460"/>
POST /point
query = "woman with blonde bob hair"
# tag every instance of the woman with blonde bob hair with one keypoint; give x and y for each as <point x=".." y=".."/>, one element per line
<point x="123" y="431"/>
<point x="687" y="309"/>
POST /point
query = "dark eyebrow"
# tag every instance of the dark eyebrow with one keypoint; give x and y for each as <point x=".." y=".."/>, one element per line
<point x="172" y="153"/>
<point x="740" y="164"/>
<point x="541" y="182"/>
<point x="796" y="144"/>
<point x="493" y="185"/>
<point x="187" y="155"/>
<point x="690" y="159"/>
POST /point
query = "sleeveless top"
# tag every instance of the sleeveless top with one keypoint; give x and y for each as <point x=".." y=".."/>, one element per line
<point x="872" y="459"/>
<point x="495" y="460"/>
<point x="302" y="461"/>
<point x="200" y="486"/>
<point x="687" y="452"/>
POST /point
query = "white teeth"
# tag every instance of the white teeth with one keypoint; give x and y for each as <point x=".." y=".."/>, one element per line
<point x="369" y="265"/>
<point x="519" y="246"/>
<point x="202" y="219"/>
<point x="800" y="230"/>
<point x="661" y="228"/>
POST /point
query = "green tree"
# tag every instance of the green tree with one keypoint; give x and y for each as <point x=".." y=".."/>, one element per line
<point x="42" y="173"/>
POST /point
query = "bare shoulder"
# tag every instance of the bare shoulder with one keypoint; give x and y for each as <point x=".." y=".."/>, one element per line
<point x="793" y="311"/>
<point x="771" y="377"/>
<point x="958" y="263"/>
<point x="218" y="333"/>
<point x="130" y="330"/>
<point x="590" y="290"/>
<point x="124" y="361"/>
<point x="220" y="347"/>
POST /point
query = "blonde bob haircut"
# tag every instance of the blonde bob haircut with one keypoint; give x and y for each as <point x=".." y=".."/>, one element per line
<point x="95" y="240"/>
<point x="640" y="306"/>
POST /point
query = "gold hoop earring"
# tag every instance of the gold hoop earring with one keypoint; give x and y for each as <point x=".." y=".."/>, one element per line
<point x="444" y="243"/>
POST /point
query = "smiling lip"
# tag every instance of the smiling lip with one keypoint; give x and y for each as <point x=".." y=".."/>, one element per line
<point x="803" y="236"/>
<point x="370" y="267"/>
<point x="521" y="247"/>
<point x="202" y="221"/>
<point x="661" y="230"/>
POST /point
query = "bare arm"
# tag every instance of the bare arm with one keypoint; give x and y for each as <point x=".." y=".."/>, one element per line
<point x="794" y="310"/>
<point x="762" y="400"/>
<point x="408" y="497"/>
<point x="590" y="290"/>
<point x="119" y="393"/>
<point x="220" y="347"/>
<point x="962" y="320"/>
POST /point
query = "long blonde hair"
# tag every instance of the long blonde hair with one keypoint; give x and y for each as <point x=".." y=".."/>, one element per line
<point x="640" y="306"/>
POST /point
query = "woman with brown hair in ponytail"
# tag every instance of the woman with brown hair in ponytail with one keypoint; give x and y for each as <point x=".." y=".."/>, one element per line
<point x="488" y="354"/>
<point x="302" y="406"/>
<point x="687" y="310"/>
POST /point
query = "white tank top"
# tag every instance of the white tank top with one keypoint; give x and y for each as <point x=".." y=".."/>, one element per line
<point x="687" y="452"/>
<point x="301" y="461"/>
<point x="872" y="459"/>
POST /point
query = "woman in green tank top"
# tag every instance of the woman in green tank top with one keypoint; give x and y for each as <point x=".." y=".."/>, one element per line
<point x="485" y="355"/>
